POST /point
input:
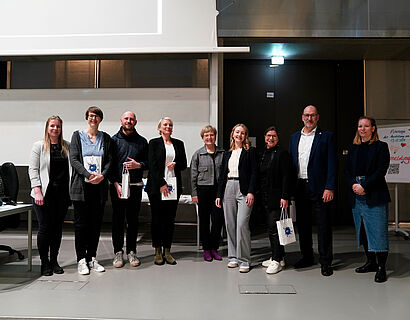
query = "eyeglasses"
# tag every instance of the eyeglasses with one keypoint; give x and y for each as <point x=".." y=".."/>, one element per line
<point x="271" y="136"/>
<point x="93" y="116"/>
<point x="310" y="115"/>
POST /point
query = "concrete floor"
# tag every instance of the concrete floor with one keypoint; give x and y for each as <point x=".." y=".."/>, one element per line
<point x="194" y="289"/>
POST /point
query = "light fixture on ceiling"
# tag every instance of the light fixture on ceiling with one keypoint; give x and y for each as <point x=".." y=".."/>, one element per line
<point x="277" y="61"/>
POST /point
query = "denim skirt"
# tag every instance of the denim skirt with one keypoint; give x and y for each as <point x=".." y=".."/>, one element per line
<point x="375" y="223"/>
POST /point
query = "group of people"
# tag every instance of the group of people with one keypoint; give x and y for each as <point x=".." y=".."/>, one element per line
<point x="224" y="186"/>
<point x="79" y="172"/>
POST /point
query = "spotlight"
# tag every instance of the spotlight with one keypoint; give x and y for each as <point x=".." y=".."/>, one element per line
<point x="277" y="60"/>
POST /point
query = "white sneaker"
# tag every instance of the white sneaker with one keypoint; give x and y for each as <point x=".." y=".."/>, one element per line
<point x="82" y="267"/>
<point x="244" y="269"/>
<point x="118" y="260"/>
<point x="266" y="263"/>
<point x="94" y="265"/>
<point x="233" y="264"/>
<point x="133" y="259"/>
<point x="274" y="267"/>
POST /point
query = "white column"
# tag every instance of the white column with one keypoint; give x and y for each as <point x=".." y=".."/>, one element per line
<point x="213" y="90"/>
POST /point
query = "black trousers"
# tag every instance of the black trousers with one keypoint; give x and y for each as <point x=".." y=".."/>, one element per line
<point x="308" y="203"/>
<point x="163" y="214"/>
<point x="88" y="216"/>
<point x="209" y="212"/>
<point x="273" y="215"/>
<point x="50" y="217"/>
<point x="125" y="213"/>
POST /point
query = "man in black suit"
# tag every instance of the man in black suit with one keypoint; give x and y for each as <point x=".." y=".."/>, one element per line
<point x="314" y="157"/>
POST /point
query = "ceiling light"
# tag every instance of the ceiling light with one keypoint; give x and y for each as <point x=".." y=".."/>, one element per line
<point x="277" y="60"/>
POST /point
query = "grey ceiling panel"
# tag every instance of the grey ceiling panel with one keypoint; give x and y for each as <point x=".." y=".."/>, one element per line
<point x="389" y="15"/>
<point x="313" y="18"/>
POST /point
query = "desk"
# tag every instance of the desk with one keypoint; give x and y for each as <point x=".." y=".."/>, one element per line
<point x="8" y="210"/>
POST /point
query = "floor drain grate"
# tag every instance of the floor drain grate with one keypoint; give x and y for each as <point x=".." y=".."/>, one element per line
<point x="57" y="285"/>
<point x="267" y="289"/>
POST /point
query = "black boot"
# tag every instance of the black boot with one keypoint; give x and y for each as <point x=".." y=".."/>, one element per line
<point x="381" y="269"/>
<point x="56" y="267"/>
<point x="370" y="265"/>
<point x="46" y="269"/>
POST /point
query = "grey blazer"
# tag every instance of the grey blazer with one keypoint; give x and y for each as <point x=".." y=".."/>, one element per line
<point x="202" y="173"/>
<point x="39" y="167"/>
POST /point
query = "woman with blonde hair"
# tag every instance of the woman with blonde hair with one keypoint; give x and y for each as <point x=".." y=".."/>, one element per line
<point x="236" y="189"/>
<point x="166" y="158"/>
<point x="366" y="166"/>
<point x="49" y="172"/>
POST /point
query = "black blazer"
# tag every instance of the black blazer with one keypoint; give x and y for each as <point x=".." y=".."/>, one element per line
<point x="248" y="171"/>
<point x="280" y="177"/>
<point x="156" y="164"/>
<point x="375" y="186"/>
<point x="322" y="166"/>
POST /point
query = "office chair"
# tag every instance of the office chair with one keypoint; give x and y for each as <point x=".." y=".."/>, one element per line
<point x="9" y="186"/>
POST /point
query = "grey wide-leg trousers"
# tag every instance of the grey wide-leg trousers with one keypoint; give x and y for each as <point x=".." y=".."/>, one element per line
<point x="237" y="215"/>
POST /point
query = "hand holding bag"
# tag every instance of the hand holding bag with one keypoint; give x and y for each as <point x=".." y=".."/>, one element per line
<point x="172" y="188"/>
<point x="125" y="184"/>
<point x="286" y="231"/>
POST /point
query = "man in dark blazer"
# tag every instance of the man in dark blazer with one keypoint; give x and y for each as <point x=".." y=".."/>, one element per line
<point x="313" y="152"/>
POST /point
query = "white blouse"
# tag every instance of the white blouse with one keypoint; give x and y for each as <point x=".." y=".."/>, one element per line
<point x="169" y="157"/>
<point x="233" y="163"/>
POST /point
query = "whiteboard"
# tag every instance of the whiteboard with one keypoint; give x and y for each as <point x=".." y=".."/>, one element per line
<point x="23" y="114"/>
<point x="398" y="139"/>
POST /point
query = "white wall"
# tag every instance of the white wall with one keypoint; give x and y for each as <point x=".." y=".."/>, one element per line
<point x="104" y="26"/>
<point x="24" y="112"/>
<point x="388" y="89"/>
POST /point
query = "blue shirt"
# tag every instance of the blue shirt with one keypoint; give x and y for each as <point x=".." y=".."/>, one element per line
<point x="92" y="152"/>
<point x="88" y="148"/>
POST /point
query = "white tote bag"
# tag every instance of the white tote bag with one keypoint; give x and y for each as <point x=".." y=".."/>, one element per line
<point x="172" y="188"/>
<point x="125" y="184"/>
<point x="286" y="231"/>
<point x="92" y="164"/>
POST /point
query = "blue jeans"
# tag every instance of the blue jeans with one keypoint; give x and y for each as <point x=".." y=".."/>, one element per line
<point x="375" y="221"/>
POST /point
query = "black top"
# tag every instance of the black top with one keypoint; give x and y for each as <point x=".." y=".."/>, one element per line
<point x="133" y="146"/>
<point x="213" y="155"/>
<point x="59" y="174"/>
<point x="362" y="158"/>
<point x="276" y="175"/>
<point x="266" y="161"/>
<point x="376" y="165"/>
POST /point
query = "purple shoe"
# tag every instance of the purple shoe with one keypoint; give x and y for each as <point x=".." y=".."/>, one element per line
<point x="207" y="256"/>
<point x="216" y="255"/>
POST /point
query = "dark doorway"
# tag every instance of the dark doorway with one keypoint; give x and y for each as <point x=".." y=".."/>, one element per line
<point x="260" y="96"/>
<point x="3" y="74"/>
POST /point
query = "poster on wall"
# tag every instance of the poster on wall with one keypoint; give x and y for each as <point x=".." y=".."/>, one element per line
<point x="398" y="139"/>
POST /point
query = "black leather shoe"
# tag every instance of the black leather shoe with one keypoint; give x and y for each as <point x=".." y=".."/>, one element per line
<point x="46" y="269"/>
<point x="304" y="263"/>
<point x="56" y="267"/>
<point x="380" y="275"/>
<point x="367" y="267"/>
<point x="326" y="270"/>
